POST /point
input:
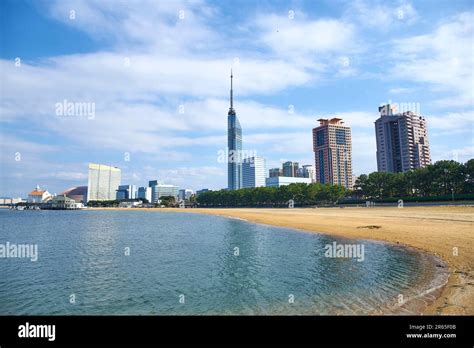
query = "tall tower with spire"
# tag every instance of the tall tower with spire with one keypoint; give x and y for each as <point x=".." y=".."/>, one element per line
<point x="234" y="145"/>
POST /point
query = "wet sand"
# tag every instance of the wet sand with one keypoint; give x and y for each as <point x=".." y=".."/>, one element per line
<point x="444" y="231"/>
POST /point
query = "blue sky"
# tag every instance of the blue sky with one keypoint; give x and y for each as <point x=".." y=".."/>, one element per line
<point x="157" y="74"/>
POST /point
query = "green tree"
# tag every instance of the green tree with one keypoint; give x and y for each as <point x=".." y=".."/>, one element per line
<point x="468" y="174"/>
<point x="361" y="186"/>
<point x="168" y="201"/>
<point x="447" y="177"/>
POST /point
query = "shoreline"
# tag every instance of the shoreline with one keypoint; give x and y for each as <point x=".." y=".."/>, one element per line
<point x="412" y="305"/>
<point x="435" y="230"/>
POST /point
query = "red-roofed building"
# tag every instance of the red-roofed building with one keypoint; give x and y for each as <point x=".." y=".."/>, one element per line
<point x="39" y="196"/>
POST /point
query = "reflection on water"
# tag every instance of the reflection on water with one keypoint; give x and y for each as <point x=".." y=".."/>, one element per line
<point x="217" y="265"/>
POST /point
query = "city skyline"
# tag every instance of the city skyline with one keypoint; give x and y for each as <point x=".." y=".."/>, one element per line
<point x="161" y="116"/>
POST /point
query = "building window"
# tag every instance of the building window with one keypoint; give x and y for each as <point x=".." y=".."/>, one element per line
<point x="321" y="166"/>
<point x="320" y="138"/>
<point x="340" y="137"/>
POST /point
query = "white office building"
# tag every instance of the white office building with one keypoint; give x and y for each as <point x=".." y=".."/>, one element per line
<point x="253" y="172"/>
<point x="163" y="190"/>
<point x="278" y="181"/>
<point x="103" y="182"/>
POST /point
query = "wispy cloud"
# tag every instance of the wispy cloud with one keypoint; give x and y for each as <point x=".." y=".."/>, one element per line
<point x="443" y="59"/>
<point x="294" y="36"/>
<point x="382" y="15"/>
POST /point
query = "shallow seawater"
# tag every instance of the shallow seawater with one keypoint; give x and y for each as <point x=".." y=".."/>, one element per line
<point x="181" y="263"/>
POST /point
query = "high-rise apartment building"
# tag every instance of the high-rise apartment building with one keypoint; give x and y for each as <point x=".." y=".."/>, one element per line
<point x="332" y="148"/>
<point x="402" y="141"/>
<point x="103" y="182"/>
<point x="290" y="169"/>
<point x="234" y="145"/>
<point x="253" y="172"/>
<point x="306" y="171"/>
<point x="273" y="172"/>
<point x="278" y="181"/>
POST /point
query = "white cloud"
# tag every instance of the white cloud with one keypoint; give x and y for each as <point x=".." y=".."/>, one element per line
<point x="141" y="24"/>
<point x="400" y="90"/>
<point x="103" y="76"/>
<point x="459" y="154"/>
<point x="74" y="176"/>
<point x="379" y="15"/>
<point x="294" y="37"/>
<point x="452" y="122"/>
<point x="363" y="152"/>
<point x="442" y="59"/>
<point x="15" y="151"/>
<point x="357" y="119"/>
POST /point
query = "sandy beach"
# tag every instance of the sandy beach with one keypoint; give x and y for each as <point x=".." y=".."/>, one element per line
<point x="437" y="230"/>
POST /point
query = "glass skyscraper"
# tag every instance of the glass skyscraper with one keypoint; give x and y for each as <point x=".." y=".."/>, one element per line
<point x="234" y="145"/>
<point x="126" y="192"/>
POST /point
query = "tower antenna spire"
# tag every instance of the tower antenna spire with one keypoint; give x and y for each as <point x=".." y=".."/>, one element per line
<point x="231" y="91"/>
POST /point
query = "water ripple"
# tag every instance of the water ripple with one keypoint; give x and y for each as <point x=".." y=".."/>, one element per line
<point x="276" y="270"/>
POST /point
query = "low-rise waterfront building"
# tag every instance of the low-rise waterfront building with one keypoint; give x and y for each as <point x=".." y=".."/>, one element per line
<point x="278" y="181"/>
<point x="39" y="196"/>
<point x="64" y="202"/>
<point x="163" y="190"/>
<point x="130" y="204"/>
<point x="7" y="201"/>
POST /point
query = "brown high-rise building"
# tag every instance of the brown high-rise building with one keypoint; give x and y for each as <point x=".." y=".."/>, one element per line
<point x="402" y="141"/>
<point x="332" y="146"/>
<point x="274" y="172"/>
